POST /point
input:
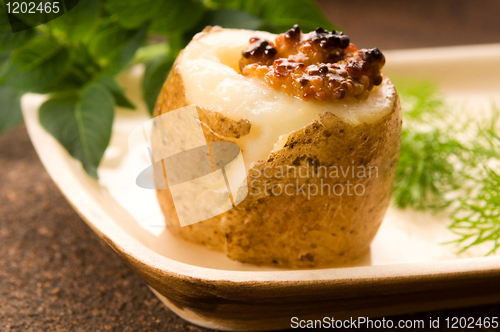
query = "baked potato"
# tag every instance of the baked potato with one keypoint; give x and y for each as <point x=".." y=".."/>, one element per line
<point x="320" y="162"/>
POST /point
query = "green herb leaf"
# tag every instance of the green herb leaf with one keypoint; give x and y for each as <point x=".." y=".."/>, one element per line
<point x="477" y="218"/>
<point x="154" y="78"/>
<point x="29" y="17"/>
<point x="4" y="59"/>
<point x="9" y="40"/>
<point x="305" y="13"/>
<point x="426" y="170"/>
<point x="10" y="109"/>
<point x="177" y="41"/>
<point x="278" y="15"/>
<point x="114" y="47"/>
<point x="78" y="23"/>
<point x="38" y="63"/>
<point x="82" y="125"/>
<point x="226" y="18"/>
<point x="68" y="82"/>
<point x="133" y="14"/>
<point x="255" y="7"/>
<point x="229" y="18"/>
<point x="429" y="150"/>
<point x="149" y="53"/>
<point x="117" y="92"/>
<point x="440" y="156"/>
<point x="176" y="16"/>
<point x="421" y="101"/>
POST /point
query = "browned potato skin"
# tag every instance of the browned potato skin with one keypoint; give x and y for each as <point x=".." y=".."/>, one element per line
<point x="291" y="231"/>
<point x="172" y="97"/>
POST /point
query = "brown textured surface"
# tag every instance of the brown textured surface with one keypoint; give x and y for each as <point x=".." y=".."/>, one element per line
<point x="253" y="225"/>
<point x="57" y="275"/>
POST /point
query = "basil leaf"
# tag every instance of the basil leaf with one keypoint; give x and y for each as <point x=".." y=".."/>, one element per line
<point x="231" y="18"/>
<point x="82" y="125"/>
<point x="305" y="13"/>
<point x="78" y="23"/>
<point x="278" y="15"/>
<point x="154" y="78"/>
<point x="38" y="63"/>
<point x="176" y="16"/>
<point x="9" y="40"/>
<point x="132" y="13"/>
<point x="117" y="92"/>
<point x="10" y="110"/>
<point x="21" y="19"/>
<point x="177" y="41"/>
<point x="254" y="7"/>
<point x="66" y="83"/>
<point x="150" y="52"/>
<point x="226" y="18"/>
<point x="4" y="59"/>
<point x="114" y="47"/>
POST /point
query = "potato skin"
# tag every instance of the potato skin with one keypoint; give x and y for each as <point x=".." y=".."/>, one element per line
<point x="172" y="96"/>
<point x="291" y="230"/>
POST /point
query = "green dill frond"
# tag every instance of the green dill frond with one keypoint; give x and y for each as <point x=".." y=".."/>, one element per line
<point x="487" y="144"/>
<point x="420" y="100"/>
<point x="477" y="218"/>
<point x="426" y="170"/>
<point x="429" y="150"/>
<point x="442" y="157"/>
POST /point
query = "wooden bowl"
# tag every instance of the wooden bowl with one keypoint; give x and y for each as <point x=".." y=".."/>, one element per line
<point x="407" y="270"/>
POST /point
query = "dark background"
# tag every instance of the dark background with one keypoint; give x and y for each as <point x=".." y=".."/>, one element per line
<point x="393" y="24"/>
<point x="57" y="275"/>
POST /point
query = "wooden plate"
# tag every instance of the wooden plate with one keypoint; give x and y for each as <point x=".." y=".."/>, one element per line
<point x="407" y="270"/>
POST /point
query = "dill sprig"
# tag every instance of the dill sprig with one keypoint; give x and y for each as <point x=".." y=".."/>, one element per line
<point x="425" y="171"/>
<point x="448" y="163"/>
<point x="477" y="218"/>
<point x="420" y="100"/>
<point x="429" y="149"/>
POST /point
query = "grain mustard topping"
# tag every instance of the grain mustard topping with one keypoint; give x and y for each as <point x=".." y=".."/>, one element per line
<point x="321" y="65"/>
